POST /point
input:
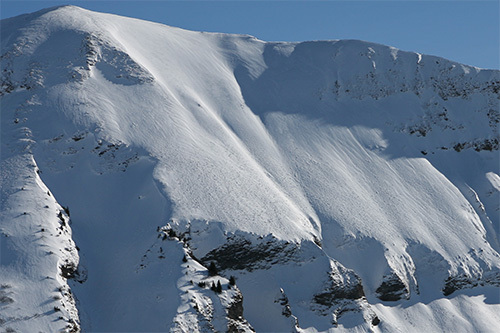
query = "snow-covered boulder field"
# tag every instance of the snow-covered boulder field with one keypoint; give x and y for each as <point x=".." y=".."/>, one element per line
<point x="158" y="179"/>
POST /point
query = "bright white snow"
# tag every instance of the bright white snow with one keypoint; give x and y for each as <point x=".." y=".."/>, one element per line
<point x="365" y="148"/>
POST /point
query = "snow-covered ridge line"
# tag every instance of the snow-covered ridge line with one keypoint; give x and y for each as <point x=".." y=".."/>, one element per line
<point x="342" y="184"/>
<point x="37" y="251"/>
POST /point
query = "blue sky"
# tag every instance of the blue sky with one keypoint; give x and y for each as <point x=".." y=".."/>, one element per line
<point x="463" y="31"/>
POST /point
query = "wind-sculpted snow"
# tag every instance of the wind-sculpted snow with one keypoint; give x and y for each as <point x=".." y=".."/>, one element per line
<point x="333" y="185"/>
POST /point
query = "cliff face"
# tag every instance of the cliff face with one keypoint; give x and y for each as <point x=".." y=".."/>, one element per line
<point x="341" y="184"/>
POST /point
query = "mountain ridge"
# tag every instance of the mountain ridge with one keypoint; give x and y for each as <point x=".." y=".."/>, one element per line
<point x="366" y="171"/>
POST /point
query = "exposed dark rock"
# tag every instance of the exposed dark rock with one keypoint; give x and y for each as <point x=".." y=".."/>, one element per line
<point x="235" y="310"/>
<point x="343" y="287"/>
<point x="240" y="253"/>
<point x="73" y="326"/>
<point x="71" y="272"/>
<point x="419" y="130"/>
<point x="282" y="299"/>
<point x="68" y="270"/>
<point x="459" y="146"/>
<point x="494" y="117"/>
<point x="66" y="210"/>
<point x="236" y="323"/>
<point x="487" y="144"/>
<point x="5" y="298"/>
<point x="392" y="289"/>
<point x="454" y="283"/>
<point x="237" y="327"/>
<point x="334" y="293"/>
<point x="479" y="145"/>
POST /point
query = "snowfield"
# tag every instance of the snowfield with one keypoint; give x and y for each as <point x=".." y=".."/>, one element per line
<point x="345" y="186"/>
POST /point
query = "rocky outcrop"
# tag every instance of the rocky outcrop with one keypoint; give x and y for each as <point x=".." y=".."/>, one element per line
<point x="454" y="283"/>
<point x="235" y="321"/>
<point x="337" y="292"/>
<point x="478" y="145"/>
<point x="392" y="289"/>
<point x="240" y="253"/>
<point x="343" y="293"/>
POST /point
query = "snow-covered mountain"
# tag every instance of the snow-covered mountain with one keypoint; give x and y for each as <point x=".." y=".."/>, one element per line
<point x="158" y="179"/>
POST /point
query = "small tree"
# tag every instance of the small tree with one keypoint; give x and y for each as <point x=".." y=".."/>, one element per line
<point x="232" y="280"/>
<point x="213" y="287"/>
<point x="219" y="287"/>
<point x="212" y="269"/>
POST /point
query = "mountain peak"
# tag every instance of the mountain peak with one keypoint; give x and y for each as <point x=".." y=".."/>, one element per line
<point x="313" y="184"/>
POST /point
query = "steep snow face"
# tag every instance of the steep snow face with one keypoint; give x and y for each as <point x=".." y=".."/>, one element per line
<point x="179" y="104"/>
<point x="345" y="184"/>
<point x="344" y="130"/>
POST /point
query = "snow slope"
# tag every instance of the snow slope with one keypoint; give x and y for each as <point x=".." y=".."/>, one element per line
<point x="346" y="185"/>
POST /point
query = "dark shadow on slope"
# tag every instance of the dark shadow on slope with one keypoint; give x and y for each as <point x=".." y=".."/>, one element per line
<point x="115" y="210"/>
<point x="355" y="84"/>
<point x="348" y="83"/>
